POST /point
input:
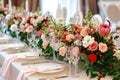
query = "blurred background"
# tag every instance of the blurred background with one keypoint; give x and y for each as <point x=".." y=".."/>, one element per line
<point x="107" y="9"/>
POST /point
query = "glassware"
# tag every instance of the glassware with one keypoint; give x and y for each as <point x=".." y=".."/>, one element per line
<point x="29" y="38"/>
<point x="73" y="58"/>
<point x="52" y="44"/>
<point x="75" y="63"/>
<point x="69" y="58"/>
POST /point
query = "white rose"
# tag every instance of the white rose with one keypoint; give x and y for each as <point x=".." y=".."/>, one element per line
<point x="35" y="22"/>
<point x="60" y="21"/>
<point x="16" y="22"/>
<point x="29" y="29"/>
<point x="43" y="37"/>
<point x="21" y="25"/>
<point x="87" y="40"/>
<point x="9" y="16"/>
<point x="14" y="27"/>
<point x="39" y="19"/>
<point x="77" y="42"/>
<point x="117" y="54"/>
<point x="52" y="34"/>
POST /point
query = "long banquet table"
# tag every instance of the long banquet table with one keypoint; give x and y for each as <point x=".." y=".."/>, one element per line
<point x="27" y="60"/>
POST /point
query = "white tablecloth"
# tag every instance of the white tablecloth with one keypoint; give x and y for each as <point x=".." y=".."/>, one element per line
<point x="17" y="67"/>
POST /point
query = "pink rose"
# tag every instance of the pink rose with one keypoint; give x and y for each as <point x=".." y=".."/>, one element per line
<point x="53" y="39"/>
<point x="93" y="46"/>
<point x="23" y="30"/>
<point x="40" y="32"/>
<point x="70" y="37"/>
<point x="83" y="32"/>
<point x="104" y="29"/>
<point x="103" y="47"/>
<point x="45" y="44"/>
<point x="76" y="51"/>
<point x="24" y="20"/>
<point x="50" y="28"/>
<point x="6" y="9"/>
<point x="29" y="28"/>
<point x="31" y="20"/>
<point x="26" y="25"/>
<point x="62" y="51"/>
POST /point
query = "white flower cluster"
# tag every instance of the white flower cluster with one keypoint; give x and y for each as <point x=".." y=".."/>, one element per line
<point x="14" y="27"/>
<point x="117" y="54"/>
<point x="8" y="17"/>
<point x="87" y="40"/>
<point x="60" y="21"/>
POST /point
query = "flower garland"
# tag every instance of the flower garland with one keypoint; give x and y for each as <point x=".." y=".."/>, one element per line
<point x="91" y="43"/>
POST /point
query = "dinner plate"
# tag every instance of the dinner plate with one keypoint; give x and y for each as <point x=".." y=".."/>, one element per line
<point x="50" y="67"/>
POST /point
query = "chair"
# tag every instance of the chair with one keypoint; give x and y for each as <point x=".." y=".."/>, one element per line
<point x="110" y="9"/>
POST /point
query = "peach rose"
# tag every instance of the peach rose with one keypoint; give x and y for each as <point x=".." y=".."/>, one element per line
<point x="103" y="47"/>
<point x="83" y="32"/>
<point x="93" y="46"/>
<point x="45" y="44"/>
<point x="76" y="51"/>
<point x="70" y="37"/>
<point x="62" y="51"/>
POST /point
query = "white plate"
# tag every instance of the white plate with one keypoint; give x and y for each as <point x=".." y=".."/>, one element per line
<point x="50" y="67"/>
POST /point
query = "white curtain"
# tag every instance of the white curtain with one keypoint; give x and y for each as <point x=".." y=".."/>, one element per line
<point x="51" y="6"/>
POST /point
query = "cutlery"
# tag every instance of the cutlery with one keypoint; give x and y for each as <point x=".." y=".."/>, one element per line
<point x="16" y="51"/>
<point x="37" y="62"/>
<point x="54" y="78"/>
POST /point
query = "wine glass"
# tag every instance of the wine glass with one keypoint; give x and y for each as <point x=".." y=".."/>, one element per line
<point x="53" y="45"/>
<point x="69" y="58"/>
<point x="36" y="46"/>
<point x="29" y="38"/>
<point x="75" y="60"/>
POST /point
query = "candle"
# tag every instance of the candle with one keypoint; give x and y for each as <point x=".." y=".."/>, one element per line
<point x="27" y="6"/>
<point x="59" y="11"/>
<point x="78" y="16"/>
<point x="10" y="5"/>
<point x="2" y="3"/>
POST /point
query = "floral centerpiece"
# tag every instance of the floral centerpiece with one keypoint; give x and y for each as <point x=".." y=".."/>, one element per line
<point x="90" y="44"/>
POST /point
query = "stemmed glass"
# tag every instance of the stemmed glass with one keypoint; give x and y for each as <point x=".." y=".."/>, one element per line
<point x="75" y="63"/>
<point x="36" y="46"/>
<point x="53" y="47"/>
<point x="73" y="58"/>
<point x="69" y="58"/>
<point x="29" y="38"/>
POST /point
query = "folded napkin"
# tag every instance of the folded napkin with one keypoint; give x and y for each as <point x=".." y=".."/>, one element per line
<point x="23" y="75"/>
<point x="6" y="67"/>
<point x="2" y="47"/>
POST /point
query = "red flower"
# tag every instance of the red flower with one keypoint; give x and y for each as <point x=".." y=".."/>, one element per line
<point x="104" y="29"/>
<point x="92" y="57"/>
